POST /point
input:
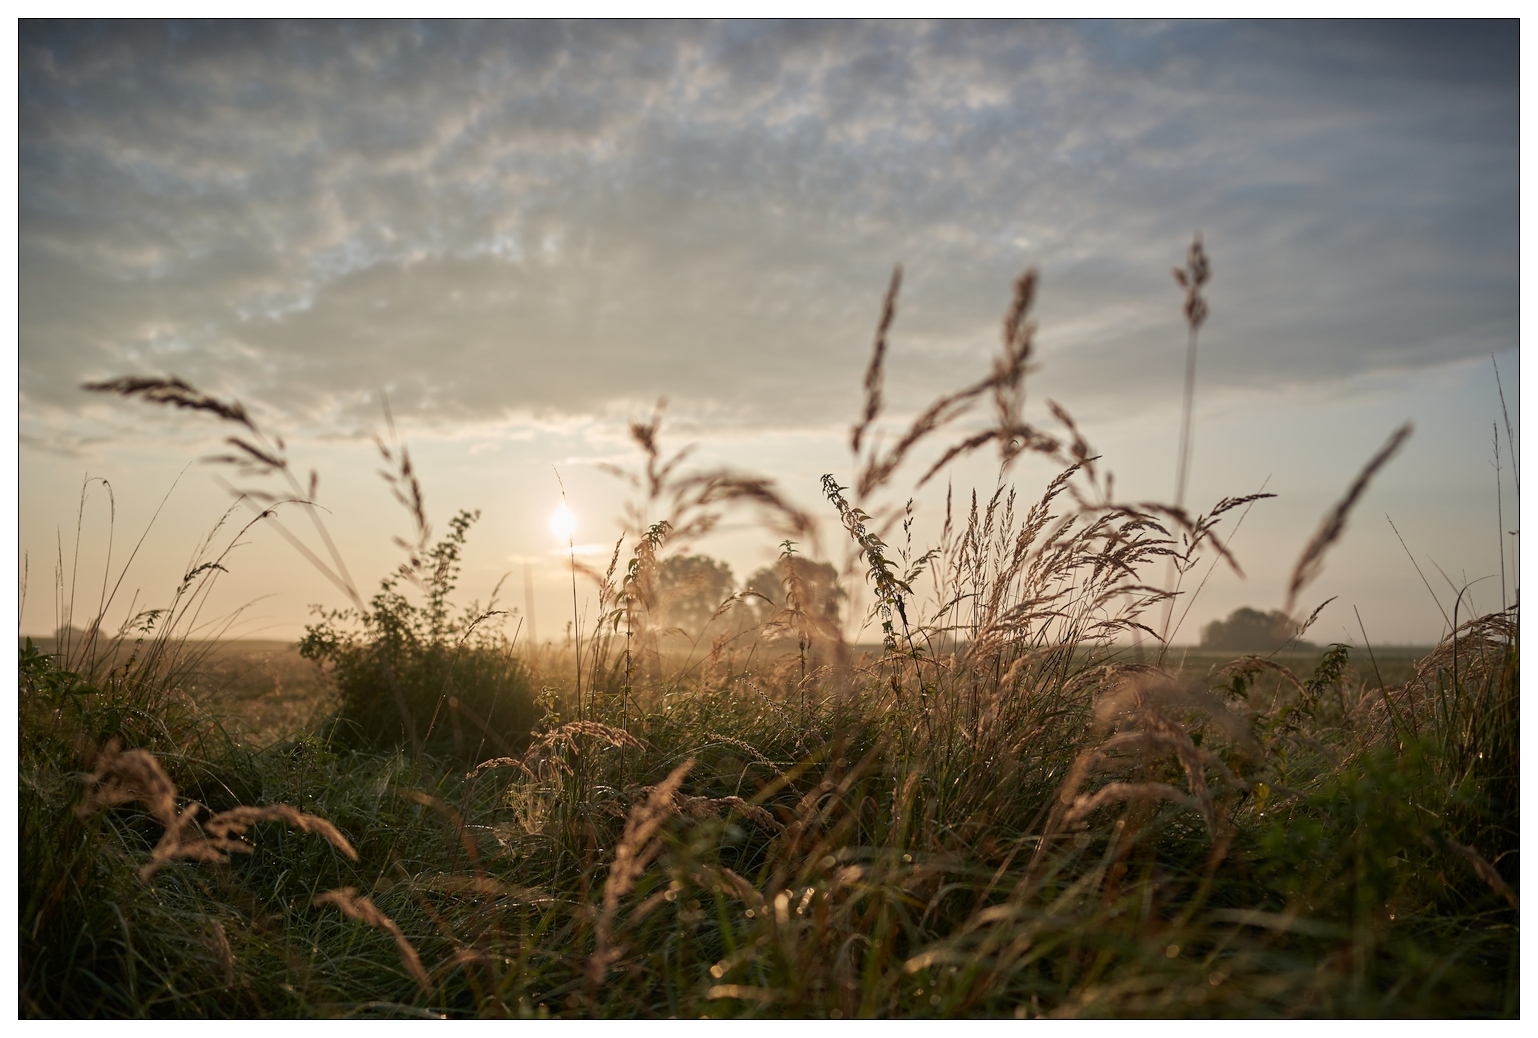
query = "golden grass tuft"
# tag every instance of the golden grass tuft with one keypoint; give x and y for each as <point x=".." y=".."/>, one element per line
<point x="126" y="776"/>
<point x="354" y="906"/>
<point x="566" y="735"/>
<point x="237" y="820"/>
<point x="637" y="847"/>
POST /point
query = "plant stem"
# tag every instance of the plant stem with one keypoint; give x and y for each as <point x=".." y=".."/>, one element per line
<point x="576" y="624"/>
<point x="1183" y="469"/>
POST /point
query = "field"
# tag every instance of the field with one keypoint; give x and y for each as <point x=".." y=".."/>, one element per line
<point x="998" y="811"/>
<point x="263" y="691"/>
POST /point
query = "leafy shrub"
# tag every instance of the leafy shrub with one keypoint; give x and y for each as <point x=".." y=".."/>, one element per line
<point x="419" y="675"/>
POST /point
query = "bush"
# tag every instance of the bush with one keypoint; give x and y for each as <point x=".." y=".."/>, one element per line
<point x="1250" y="630"/>
<point x="417" y="674"/>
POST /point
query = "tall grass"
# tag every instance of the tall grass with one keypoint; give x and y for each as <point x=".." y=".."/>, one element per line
<point x="998" y="814"/>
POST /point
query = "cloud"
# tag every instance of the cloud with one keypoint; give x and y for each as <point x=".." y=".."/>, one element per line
<point x="556" y="219"/>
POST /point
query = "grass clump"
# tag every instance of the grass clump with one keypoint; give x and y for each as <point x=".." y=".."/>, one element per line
<point x="1002" y="812"/>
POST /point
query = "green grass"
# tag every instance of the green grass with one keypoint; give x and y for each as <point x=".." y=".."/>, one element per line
<point x="907" y="855"/>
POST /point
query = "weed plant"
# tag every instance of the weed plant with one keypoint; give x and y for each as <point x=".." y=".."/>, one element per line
<point x="999" y="814"/>
<point x="419" y="676"/>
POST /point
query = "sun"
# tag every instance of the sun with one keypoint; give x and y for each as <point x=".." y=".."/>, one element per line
<point x="563" y="523"/>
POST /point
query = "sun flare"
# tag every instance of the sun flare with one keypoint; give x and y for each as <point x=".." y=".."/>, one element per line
<point x="563" y="523"/>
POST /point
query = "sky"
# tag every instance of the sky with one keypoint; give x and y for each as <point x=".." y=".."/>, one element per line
<point x="523" y="236"/>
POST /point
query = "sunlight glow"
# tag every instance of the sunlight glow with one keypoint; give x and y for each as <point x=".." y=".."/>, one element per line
<point x="563" y="523"/>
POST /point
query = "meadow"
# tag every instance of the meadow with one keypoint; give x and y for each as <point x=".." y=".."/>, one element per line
<point x="1016" y="805"/>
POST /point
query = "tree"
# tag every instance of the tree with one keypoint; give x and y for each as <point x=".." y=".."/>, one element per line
<point x="819" y="578"/>
<point x="1250" y="630"/>
<point x="690" y="588"/>
<point x="798" y="597"/>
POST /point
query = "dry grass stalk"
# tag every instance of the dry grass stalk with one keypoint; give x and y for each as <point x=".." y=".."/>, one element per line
<point x="480" y="885"/>
<point x="465" y="957"/>
<point x="1198" y="271"/>
<point x="714" y="807"/>
<point x="236" y="821"/>
<point x="873" y="373"/>
<point x="1334" y="523"/>
<point x="135" y="775"/>
<point x="454" y="819"/>
<point x="1051" y="578"/>
<point x="746" y="892"/>
<point x="1115" y="792"/>
<point x="1248" y="665"/>
<point x="268" y="456"/>
<point x="221" y="943"/>
<point x="748" y="748"/>
<point x="122" y="777"/>
<point x="407" y="490"/>
<point x="692" y="502"/>
<point x="1134" y="709"/>
<point x="500" y="762"/>
<point x="175" y="392"/>
<point x="1473" y="639"/>
<point x="744" y="992"/>
<point x="637" y="847"/>
<point x="353" y="906"/>
<point x="1005" y="382"/>
<point x="566" y="735"/>
<point x="1486" y="872"/>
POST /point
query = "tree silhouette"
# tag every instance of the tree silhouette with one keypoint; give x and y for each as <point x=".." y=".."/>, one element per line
<point x="690" y="588"/>
<point x="1250" y="630"/>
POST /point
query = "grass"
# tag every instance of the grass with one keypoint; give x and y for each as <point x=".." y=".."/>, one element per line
<point x="997" y="812"/>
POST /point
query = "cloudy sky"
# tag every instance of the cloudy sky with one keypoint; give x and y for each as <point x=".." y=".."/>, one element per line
<point x="524" y="235"/>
